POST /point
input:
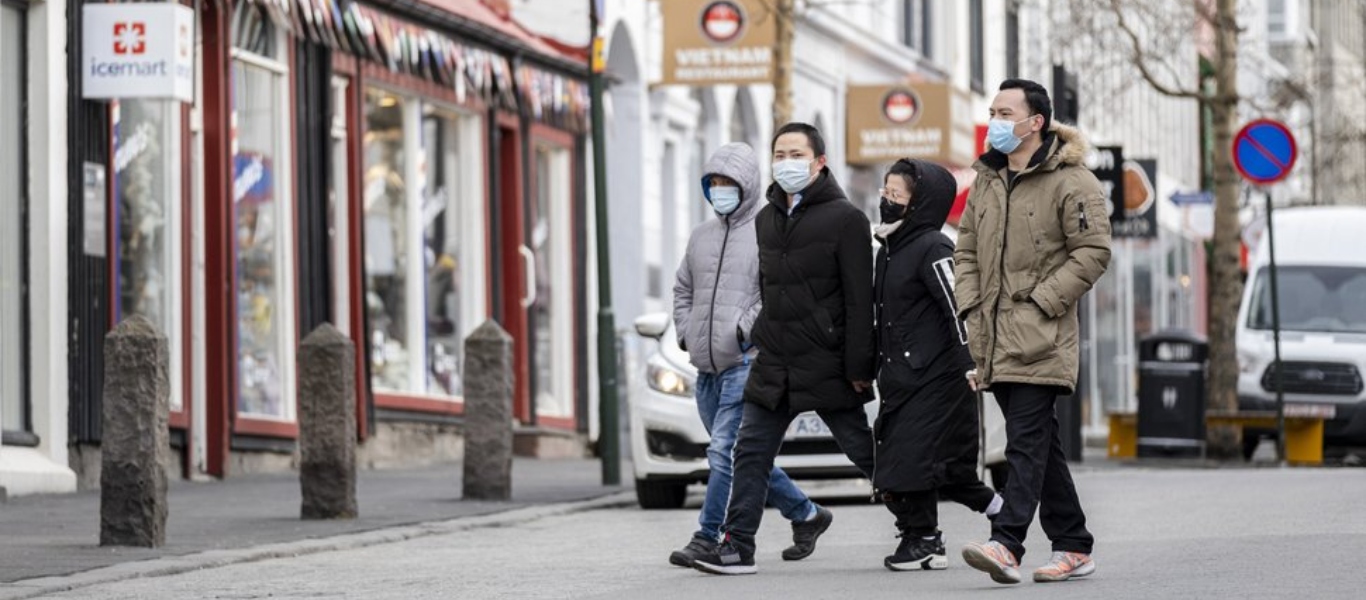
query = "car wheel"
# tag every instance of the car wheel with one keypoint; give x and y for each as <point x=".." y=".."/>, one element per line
<point x="1000" y="473"/>
<point x="655" y="495"/>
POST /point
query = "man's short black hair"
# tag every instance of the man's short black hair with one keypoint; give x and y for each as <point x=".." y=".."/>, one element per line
<point x="1036" y="96"/>
<point x="812" y="134"/>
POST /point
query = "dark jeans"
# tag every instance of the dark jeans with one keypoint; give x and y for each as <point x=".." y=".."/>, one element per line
<point x="917" y="513"/>
<point x="1039" y="477"/>
<point x="761" y="436"/>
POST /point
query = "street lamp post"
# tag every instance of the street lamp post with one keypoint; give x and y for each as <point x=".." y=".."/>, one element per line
<point x="609" y="443"/>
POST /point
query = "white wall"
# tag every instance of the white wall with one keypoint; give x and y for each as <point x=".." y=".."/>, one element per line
<point x="44" y="469"/>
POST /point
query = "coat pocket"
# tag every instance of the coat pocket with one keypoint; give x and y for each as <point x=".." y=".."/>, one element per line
<point x="827" y="334"/>
<point x="1029" y="335"/>
<point x="915" y="355"/>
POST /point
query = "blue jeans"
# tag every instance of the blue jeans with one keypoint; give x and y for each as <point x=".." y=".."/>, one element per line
<point x="720" y="402"/>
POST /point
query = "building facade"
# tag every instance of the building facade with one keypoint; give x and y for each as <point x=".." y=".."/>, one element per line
<point x="403" y="171"/>
<point x="33" y="248"/>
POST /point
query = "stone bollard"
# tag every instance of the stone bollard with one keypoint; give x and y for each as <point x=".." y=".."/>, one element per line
<point x="488" y="414"/>
<point x="327" y="424"/>
<point x="136" y="448"/>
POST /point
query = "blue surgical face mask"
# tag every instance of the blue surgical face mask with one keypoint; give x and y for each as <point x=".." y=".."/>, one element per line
<point x="724" y="199"/>
<point x="792" y="174"/>
<point x="1001" y="134"/>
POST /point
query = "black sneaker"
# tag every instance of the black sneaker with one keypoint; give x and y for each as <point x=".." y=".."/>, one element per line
<point x="725" y="559"/>
<point x="695" y="548"/>
<point x="805" y="533"/>
<point x="915" y="553"/>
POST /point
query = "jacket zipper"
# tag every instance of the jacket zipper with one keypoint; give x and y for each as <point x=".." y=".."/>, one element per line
<point x="711" y="323"/>
<point x="1001" y="272"/>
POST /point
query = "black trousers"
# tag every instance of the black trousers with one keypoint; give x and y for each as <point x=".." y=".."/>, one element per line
<point x="756" y="446"/>
<point x="1039" y="477"/>
<point x="917" y="513"/>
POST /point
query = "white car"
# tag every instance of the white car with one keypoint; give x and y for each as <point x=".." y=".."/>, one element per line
<point x="669" y="443"/>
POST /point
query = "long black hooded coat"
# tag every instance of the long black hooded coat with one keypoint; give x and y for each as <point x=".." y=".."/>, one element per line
<point x="815" y="330"/>
<point x="927" y="427"/>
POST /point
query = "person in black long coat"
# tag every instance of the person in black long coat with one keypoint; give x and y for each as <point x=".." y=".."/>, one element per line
<point x="927" y="428"/>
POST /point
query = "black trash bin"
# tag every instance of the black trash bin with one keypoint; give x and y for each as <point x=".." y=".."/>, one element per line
<point x="1171" y="395"/>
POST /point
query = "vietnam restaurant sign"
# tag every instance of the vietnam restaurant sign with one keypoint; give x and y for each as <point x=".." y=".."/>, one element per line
<point x="708" y="42"/>
<point x="931" y="121"/>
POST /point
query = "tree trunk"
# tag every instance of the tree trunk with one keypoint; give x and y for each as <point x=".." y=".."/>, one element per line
<point x="1225" y="273"/>
<point x="786" y="24"/>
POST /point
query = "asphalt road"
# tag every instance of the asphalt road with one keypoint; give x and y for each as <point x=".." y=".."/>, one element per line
<point x="1236" y="533"/>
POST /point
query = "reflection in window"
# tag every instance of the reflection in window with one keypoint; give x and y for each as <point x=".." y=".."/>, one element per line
<point x="147" y="192"/>
<point x="260" y="195"/>
<point x="12" y="198"/>
<point x="442" y="260"/>
<point x="415" y="269"/>
<point x="386" y="242"/>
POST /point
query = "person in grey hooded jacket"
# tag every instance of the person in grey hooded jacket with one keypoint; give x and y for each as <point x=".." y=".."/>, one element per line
<point x="716" y="299"/>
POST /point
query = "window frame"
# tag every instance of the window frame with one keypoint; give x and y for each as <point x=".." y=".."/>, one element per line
<point x="976" y="46"/>
<point x="23" y="435"/>
<point x="280" y="67"/>
<point x="472" y="159"/>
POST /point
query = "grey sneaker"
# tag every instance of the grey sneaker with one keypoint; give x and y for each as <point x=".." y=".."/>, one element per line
<point x="805" y="533"/>
<point x="695" y="548"/>
<point x="726" y="559"/>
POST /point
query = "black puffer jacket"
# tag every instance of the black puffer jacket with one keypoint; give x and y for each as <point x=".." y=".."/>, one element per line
<point x="815" y="331"/>
<point x="927" y="424"/>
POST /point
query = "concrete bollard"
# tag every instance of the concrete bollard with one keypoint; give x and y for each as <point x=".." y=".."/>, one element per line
<point x="327" y="425"/>
<point x="136" y="447"/>
<point x="488" y="414"/>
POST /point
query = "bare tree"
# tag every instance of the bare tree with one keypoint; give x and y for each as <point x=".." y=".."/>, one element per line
<point x="1148" y="37"/>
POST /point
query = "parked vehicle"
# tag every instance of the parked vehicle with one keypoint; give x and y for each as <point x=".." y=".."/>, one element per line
<point x="1321" y="266"/>
<point x="669" y="444"/>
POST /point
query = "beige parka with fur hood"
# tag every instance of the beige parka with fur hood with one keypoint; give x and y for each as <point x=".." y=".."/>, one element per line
<point x="1027" y="251"/>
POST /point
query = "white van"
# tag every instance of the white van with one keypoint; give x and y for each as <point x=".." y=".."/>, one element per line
<point x="1321" y="268"/>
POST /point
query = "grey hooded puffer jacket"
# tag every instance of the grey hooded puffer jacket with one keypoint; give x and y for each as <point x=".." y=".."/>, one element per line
<point x="716" y="296"/>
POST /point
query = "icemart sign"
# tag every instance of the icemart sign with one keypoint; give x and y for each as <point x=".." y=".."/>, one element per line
<point x="710" y="42"/>
<point x="138" y="51"/>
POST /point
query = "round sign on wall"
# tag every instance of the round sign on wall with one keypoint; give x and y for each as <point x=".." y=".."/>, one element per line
<point x="1264" y="151"/>
<point x="723" y="21"/>
<point x="900" y="106"/>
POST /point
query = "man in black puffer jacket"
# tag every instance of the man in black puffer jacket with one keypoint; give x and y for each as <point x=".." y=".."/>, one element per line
<point x="814" y="334"/>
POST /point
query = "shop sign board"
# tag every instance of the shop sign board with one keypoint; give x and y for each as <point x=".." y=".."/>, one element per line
<point x="711" y="42"/>
<point x="143" y="50"/>
<point x="931" y="121"/>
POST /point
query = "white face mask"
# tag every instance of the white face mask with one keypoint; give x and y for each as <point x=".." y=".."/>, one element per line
<point x="792" y="174"/>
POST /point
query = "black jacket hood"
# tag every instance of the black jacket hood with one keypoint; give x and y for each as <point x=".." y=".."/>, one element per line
<point x="935" y="191"/>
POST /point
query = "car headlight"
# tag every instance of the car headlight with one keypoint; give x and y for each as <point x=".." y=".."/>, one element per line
<point x="667" y="380"/>
<point x="1246" y="363"/>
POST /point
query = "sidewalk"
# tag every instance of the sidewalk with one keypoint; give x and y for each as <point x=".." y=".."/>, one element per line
<point x="43" y="536"/>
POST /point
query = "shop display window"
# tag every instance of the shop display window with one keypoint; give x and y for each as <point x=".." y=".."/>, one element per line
<point x="263" y="217"/>
<point x="423" y="207"/>
<point x="13" y="153"/>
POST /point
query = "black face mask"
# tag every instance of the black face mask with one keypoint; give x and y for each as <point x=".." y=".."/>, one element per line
<point x="891" y="211"/>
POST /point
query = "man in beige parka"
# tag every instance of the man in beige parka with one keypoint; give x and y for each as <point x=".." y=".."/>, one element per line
<point x="1034" y="238"/>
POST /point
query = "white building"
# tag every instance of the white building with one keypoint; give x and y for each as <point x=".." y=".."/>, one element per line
<point x="33" y="248"/>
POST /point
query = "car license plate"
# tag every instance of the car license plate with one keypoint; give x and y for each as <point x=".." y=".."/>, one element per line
<point x="807" y="426"/>
<point x="1321" y="411"/>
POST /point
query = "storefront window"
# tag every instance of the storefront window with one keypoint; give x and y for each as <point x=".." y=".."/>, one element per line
<point x="12" y="198"/>
<point x="552" y="306"/>
<point x="423" y="230"/>
<point x="262" y="219"/>
<point x="148" y="193"/>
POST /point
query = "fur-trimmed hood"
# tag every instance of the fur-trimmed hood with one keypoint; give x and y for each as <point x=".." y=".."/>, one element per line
<point x="1063" y="145"/>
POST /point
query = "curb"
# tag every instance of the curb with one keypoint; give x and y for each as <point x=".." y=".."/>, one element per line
<point x="173" y="565"/>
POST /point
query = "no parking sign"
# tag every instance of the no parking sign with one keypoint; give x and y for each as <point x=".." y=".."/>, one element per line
<point x="1264" y="151"/>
